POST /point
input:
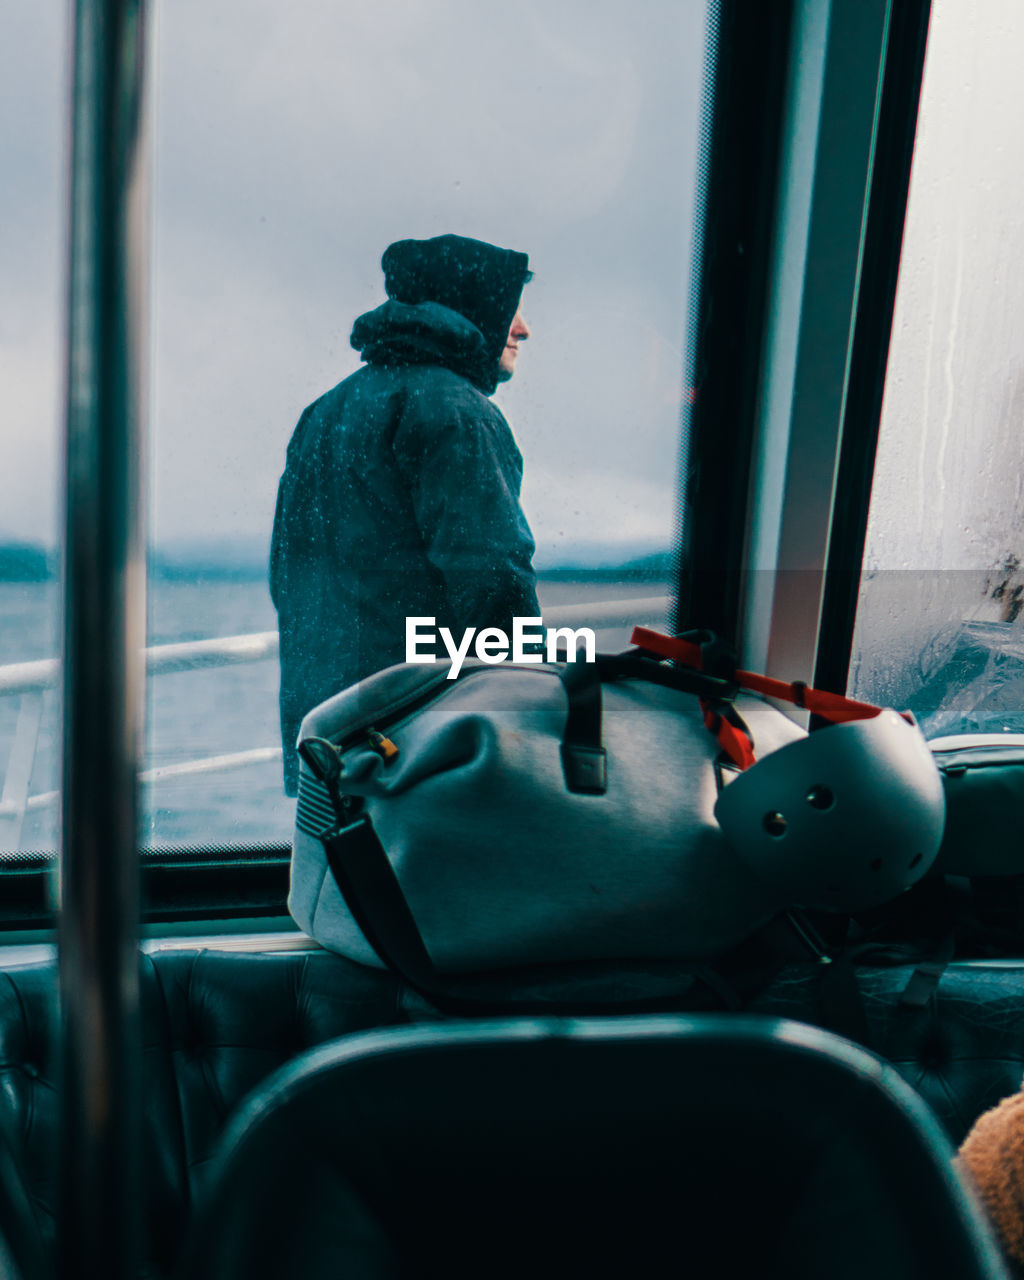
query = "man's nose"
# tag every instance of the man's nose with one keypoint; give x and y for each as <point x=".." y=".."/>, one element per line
<point x="520" y="329"/>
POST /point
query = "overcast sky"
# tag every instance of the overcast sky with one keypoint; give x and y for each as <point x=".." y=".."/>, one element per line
<point x="291" y="144"/>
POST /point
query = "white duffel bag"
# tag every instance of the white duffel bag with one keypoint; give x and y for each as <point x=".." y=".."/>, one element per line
<point x="536" y="814"/>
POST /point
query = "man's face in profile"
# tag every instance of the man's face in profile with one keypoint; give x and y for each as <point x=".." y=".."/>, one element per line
<point x="518" y="332"/>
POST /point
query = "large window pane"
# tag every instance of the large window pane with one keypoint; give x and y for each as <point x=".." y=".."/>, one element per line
<point x="32" y="96"/>
<point x="293" y="144"/>
<point x="939" y="626"/>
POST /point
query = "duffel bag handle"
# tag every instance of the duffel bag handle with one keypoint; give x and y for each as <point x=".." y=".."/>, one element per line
<point x="584" y="759"/>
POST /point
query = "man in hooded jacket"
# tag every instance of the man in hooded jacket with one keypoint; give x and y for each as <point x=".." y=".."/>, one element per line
<point x="400" y="493"/>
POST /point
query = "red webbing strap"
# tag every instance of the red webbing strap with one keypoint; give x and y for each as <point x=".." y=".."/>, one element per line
<point x="830" y="706"/>
<point x="732" y="738"/>
<point x="664" y="646"/>
<point x="675" y="647"/>
<point x="734" y="742"/>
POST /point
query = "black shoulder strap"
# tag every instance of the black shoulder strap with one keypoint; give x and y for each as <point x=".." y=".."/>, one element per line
<point x="367" y="881"/>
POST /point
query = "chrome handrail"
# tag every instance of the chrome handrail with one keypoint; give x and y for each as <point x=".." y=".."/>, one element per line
<point x="32" y="679"/>
<point x="258" y="646"/>
<point x="190" y="655"/>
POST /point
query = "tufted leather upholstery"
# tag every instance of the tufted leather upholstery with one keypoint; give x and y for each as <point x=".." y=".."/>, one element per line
<point x="217" y="1023"/>
<point x="962" y="1052"/>
<point x="214" y="1025"/>
<point x="232" y="1019"/>
<point x="28" y="1105"/>
<point x="21" y="1251"/>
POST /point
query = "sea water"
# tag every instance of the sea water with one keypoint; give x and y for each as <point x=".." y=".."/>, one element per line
<point x="195" y="715"/>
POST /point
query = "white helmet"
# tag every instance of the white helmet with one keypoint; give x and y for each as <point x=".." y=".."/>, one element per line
<point x="842" y="820"/>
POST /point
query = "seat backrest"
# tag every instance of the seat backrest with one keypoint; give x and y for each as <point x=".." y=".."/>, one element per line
<point x="730" y="1146"/>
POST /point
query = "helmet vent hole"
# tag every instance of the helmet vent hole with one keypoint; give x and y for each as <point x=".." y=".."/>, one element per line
<point x="876" y="864"/>
<point x="915" y="860"/>
<point x="775" y="823"/>
<point x="820" y="798"/>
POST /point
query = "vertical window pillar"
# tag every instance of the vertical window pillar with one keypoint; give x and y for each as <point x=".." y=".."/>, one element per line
<point x="829" y="138"/>
<point x="104" y="637"/>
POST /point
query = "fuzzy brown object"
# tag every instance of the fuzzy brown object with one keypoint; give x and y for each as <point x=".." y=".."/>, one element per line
<point x="992" y="1156"/>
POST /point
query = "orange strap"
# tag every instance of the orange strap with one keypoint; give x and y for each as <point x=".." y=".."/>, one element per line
<point x="830" y="706"/>
<point x="737" y="745"/>
<point x="735" y="742"/>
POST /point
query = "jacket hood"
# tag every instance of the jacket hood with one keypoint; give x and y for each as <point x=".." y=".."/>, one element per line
<point x="398" y="333"/>
<point x="478" y="280"/>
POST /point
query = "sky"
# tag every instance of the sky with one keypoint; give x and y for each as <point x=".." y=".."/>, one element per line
<point x="289" y="146"/>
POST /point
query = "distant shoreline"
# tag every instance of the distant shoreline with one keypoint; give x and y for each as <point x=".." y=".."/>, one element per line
<point x="26" y="562"/>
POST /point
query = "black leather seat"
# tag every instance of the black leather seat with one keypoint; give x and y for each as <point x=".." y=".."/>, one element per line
<point x="217" y="1023"/>
<point x="699" y="1146"/>
<point x="22" y="1251"/>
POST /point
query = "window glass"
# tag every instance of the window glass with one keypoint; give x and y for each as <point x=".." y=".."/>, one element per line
<point x="940" y="621"/>
<point x="33" y="55"/>
<point x="292" y="144"/>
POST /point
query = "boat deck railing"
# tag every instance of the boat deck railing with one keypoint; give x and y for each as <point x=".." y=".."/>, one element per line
<point x="30" y="681"/>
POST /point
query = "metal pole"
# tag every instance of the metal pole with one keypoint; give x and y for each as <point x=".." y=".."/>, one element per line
<point x="104" y="637"/>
